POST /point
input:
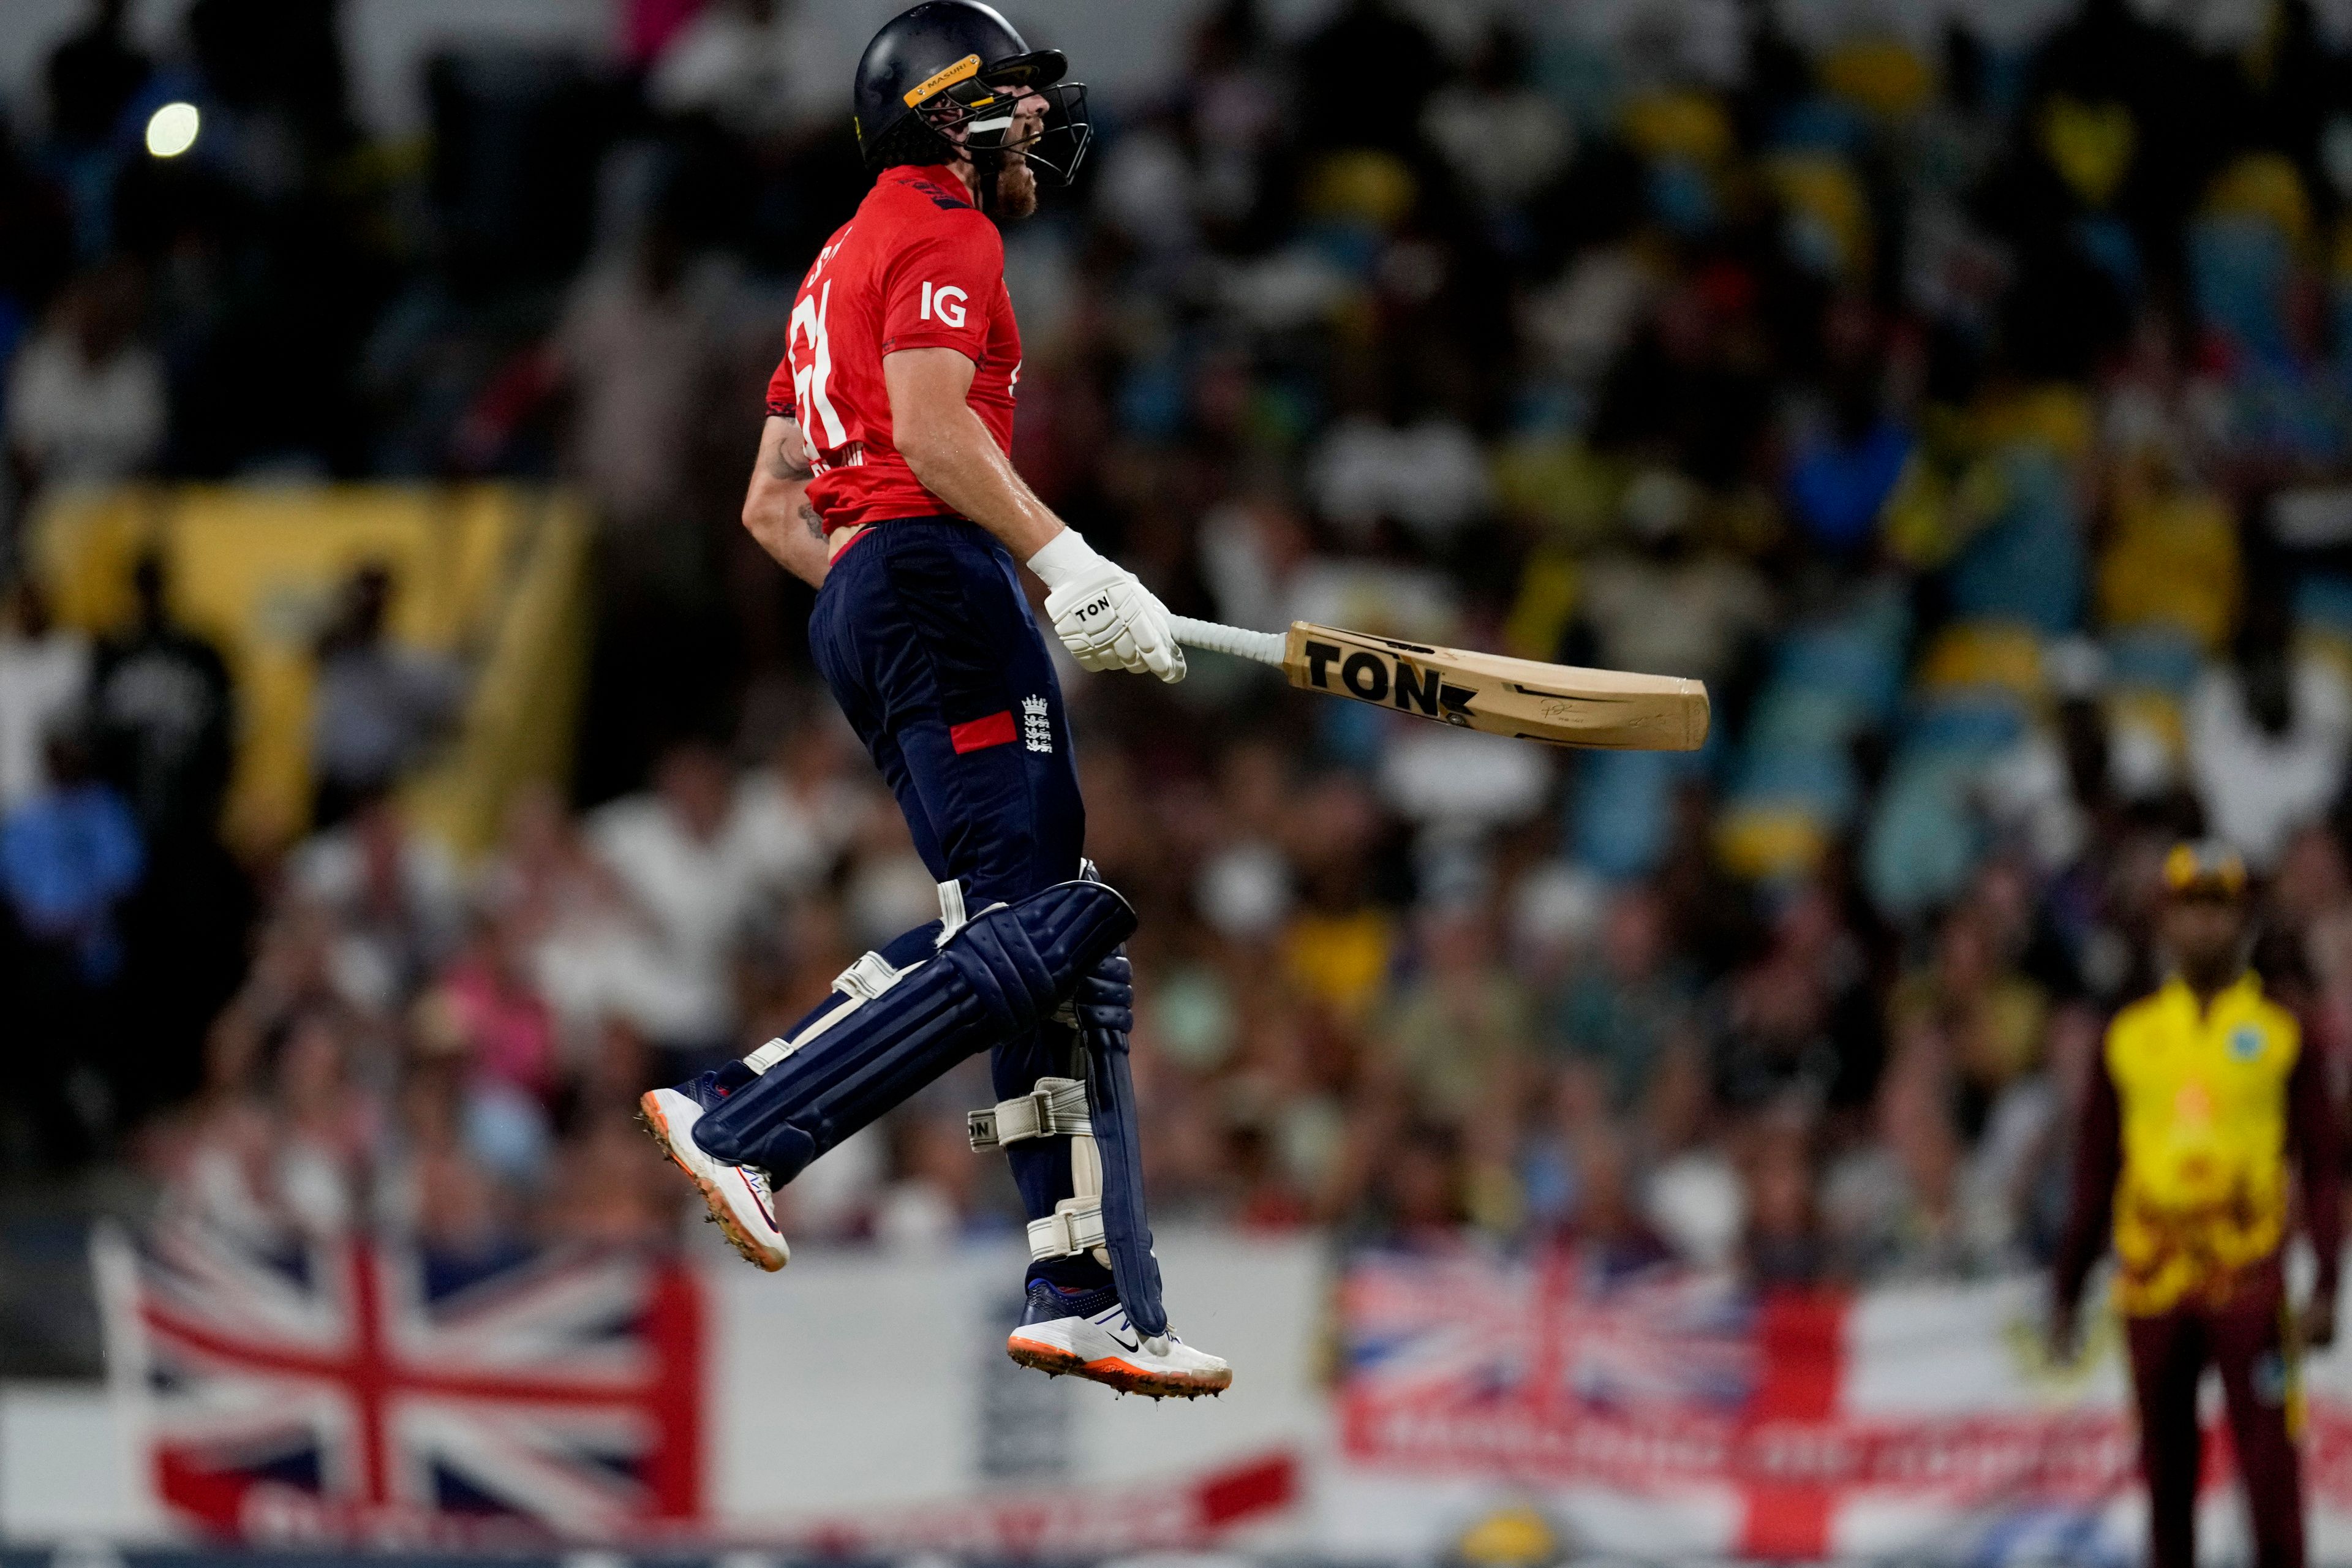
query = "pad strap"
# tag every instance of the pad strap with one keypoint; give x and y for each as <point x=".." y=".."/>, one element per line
<point x="1075" y="1225"/>
<point x="861" y="983"/>
<point x="1055" y="1107"/>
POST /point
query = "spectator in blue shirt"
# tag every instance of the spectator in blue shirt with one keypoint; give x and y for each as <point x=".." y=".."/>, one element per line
<point x="70" y="856"/>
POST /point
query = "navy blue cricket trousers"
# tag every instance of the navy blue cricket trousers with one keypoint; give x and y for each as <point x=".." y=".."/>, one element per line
<point x="926" y="641"/>
<point x="923" y="634"/>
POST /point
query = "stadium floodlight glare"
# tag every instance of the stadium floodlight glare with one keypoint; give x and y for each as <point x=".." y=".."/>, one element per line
<point x="171" y="129"/>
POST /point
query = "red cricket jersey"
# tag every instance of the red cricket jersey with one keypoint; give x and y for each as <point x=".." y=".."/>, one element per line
<point x="918" y="267"/>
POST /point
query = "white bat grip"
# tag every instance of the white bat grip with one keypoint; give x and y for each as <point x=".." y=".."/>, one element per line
<point x="1263" y="647"/>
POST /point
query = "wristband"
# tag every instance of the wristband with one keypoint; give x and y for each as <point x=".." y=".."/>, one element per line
<point x="1062" y="557"/>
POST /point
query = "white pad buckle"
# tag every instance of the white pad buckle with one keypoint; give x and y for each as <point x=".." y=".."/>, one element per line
<point x="868" y="977"/>
<point x="1075" y="1225"/>
<point x="1055" y="1107"/>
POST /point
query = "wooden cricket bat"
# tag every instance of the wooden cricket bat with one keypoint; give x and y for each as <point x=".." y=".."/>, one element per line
<point x="1557" y="703"/>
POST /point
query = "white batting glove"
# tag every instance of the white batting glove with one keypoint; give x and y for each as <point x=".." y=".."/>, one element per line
<point x="1103" y="613"/>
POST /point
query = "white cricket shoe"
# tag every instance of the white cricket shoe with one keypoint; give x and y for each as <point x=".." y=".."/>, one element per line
<point x="739" y="1196"/>
<point x="1089" y="1336"/>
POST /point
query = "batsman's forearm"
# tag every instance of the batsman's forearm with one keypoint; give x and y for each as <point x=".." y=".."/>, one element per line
<point x="777" y="514"/>
<point x="959" y="463"/>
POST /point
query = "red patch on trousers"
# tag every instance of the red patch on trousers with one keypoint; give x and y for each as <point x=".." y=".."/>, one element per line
<point x="996" y="730"/>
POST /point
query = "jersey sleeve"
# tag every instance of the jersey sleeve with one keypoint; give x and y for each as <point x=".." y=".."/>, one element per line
<point x="938" y="289"/>
<point x="780" y="391"/>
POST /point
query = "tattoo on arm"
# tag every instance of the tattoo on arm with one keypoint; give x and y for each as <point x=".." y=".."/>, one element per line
<point x="792" y="459"/>
<point x="809" y="520"/>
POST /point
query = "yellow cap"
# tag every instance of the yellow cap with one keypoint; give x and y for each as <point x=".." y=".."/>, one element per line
<point x="2207" y="868"/>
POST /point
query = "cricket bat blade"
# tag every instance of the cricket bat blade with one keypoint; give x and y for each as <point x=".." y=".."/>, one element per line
<point x="1559" y="704"/>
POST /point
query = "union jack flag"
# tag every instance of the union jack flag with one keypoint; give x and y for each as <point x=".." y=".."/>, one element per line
<point x="356" y="1390"/>
<point x="1476" y="1331"/>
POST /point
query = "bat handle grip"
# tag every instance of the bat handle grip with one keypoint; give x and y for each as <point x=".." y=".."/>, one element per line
<point x="1267" y="648"/>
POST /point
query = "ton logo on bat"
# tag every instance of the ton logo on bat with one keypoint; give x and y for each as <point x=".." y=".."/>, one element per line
<point x="1371" y="677"/>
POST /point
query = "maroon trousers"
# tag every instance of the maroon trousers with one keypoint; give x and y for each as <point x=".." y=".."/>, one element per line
<point x="2246" y="1342"/>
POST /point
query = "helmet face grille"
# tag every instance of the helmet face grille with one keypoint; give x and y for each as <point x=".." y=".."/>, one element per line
<point x="981" y="118"/>
<point x="1060" y="146"/>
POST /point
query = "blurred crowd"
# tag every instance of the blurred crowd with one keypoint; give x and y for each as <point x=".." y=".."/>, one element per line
<point x="1965" y="393"/>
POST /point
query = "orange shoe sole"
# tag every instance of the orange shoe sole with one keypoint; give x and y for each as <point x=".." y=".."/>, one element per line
<point x="656" y="1126"/>
<point x="1113" y="1372"/>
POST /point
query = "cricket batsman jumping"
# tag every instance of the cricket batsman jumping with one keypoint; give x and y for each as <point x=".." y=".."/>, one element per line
<point x="884" y="480"/>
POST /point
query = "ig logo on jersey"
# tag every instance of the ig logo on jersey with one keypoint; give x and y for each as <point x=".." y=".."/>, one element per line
<point x="945" y="304"/>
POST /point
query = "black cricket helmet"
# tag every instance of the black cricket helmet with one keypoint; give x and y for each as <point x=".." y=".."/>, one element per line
<point x="936" y="80"/>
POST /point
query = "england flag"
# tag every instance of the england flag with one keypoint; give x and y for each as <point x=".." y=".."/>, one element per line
<point x="1674" y="1415"/>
